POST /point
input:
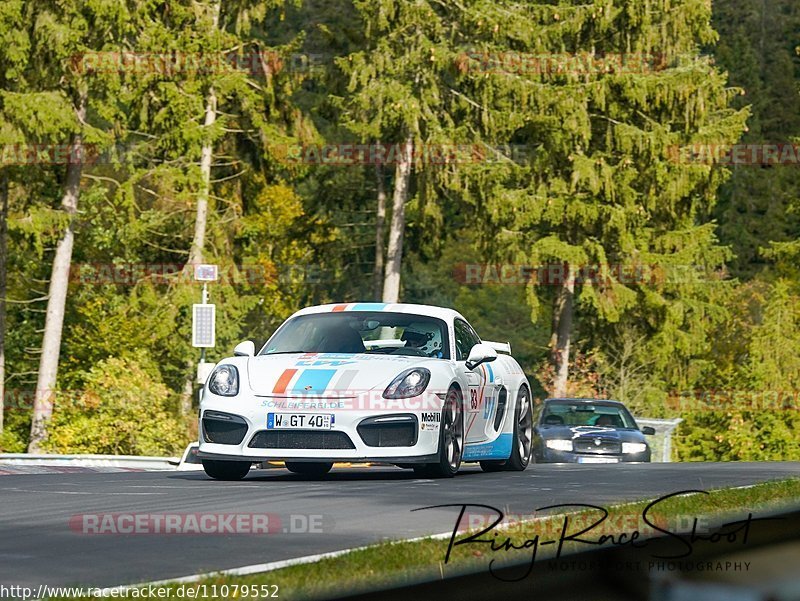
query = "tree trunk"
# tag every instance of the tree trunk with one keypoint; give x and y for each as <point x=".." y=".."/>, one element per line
<point x="394" y="255"/>
<point x="199" y="240"/>
<point x="206" y="157"/>
<point x="57" y="297"/>
<point x="380" y="225"/>
<point x="201" y="216"/>
<point x="562" y="328"/>
<point x="3" y="267"/>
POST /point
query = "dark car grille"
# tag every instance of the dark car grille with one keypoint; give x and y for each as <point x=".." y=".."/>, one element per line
<point x="389" y="431"/>
<point x="223" y="428"/>
<point x="587" y="445"/>
<point x="300" y="439"/>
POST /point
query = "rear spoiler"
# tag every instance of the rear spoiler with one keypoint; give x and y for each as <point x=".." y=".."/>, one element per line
<point x="500" y="347"/>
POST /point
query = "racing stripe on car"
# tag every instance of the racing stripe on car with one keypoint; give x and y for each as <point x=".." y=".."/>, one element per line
<point x="491" y="372"/>
<point x="283" y="381"/>
<point x="368" y="307"/>
<point x="482" y="391"/>
<point x="360" y="307"/>
<point x="313" y="379"/>
<point x="344" y="381"/>
<point x="471" y="422"/>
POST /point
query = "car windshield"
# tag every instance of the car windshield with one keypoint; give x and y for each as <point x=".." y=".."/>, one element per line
<point x="372" y="332"/>
<point x="586" y="414"/>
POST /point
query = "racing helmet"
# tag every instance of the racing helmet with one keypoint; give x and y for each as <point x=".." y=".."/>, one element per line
<point x="425" y="337"/>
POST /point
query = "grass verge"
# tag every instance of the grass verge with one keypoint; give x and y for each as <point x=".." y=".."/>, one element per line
<point x="394" y="564"/>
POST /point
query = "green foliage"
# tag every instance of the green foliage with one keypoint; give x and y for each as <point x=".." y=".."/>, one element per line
<point x="598" y="185"/>
<point x="739" y="435"/>
<point x="124" y="408"/>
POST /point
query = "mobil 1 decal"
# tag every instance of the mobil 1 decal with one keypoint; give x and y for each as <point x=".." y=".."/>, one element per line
<point x="429" y="420"/>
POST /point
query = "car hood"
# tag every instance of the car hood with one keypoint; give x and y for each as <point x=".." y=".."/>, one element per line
<point x="326" y="373"/>
<point x="573" y="432"/>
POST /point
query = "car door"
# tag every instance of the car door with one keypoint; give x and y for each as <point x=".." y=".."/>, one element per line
<point x="480" y="399"/>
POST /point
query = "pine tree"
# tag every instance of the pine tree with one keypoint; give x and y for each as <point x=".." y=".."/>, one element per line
<point x="602" y="189"/>
<point x="55" y="98"/>
<point x="400" y="94"/>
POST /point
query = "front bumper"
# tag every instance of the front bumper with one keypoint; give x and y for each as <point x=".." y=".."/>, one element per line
<point x="353" y="437"/>
<point x="546" y="455"/>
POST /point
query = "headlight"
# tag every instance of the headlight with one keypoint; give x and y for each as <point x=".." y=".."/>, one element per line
<point x="559" y="445"/>
<point x="634" y="447"/>
<point x="224" y="381"/>
<point x="408" y="384"/>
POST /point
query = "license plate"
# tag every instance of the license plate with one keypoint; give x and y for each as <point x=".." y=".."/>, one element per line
<point x="598" y="460"/>
<point x="300" y="421"/>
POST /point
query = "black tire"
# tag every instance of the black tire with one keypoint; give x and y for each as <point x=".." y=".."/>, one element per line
<point x="226" y="470"/>
<point x="451" y="439"/>
<point x="309" y="468"/>
<point x="493" y="466"/>
<point x="521" y="446"/>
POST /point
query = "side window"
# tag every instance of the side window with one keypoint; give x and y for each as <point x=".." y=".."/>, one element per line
<point x="466" y="338"/>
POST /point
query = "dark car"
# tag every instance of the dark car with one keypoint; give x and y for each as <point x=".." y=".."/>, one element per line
<point x="587" y="431"/>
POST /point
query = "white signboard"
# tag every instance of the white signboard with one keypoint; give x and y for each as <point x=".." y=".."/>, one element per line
<point x="203" y="325"/>
<point x="205" y="273"/>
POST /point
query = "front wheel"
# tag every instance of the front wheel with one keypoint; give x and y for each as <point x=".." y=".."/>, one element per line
<point x="523" y="432"/>
<point x="226" y="470"/>
<point x="309" y="468"/>
<point x="451" y="440"/>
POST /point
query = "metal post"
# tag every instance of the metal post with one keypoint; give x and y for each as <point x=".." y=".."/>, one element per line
<point x="205" y="302"/>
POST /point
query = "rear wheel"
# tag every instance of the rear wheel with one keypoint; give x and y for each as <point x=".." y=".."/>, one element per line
<point x="493" y="466"/>
<point x="309" y="468"/>
<point x="523" y="433"/>
<point x="451" y="440"/>
<point x="226" y="470"/>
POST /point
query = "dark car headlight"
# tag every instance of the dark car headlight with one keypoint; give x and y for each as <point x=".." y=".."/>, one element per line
<point x="558" y="444"/>
<point x="634" y="447"/>
<point x="224" y="381"/>
<point x="408" y="384"/>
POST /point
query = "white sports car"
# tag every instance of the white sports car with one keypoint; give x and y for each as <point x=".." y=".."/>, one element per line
<point x="410" y="385"/>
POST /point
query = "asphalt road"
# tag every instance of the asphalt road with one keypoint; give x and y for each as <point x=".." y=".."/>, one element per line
<point x="46" y="520"/>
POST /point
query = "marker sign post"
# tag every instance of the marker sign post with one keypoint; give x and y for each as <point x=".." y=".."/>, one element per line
<point x="203" y="325"/>
<point x="204" y="316"/>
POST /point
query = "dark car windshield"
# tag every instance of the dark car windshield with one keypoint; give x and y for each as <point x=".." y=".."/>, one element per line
<point x="373" y="332"/>
<point x="586" y="414"/>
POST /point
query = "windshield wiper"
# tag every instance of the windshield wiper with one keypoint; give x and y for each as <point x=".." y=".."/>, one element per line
<point x="288" y="353"/>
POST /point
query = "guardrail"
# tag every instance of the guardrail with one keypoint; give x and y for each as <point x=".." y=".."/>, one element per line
<point x="662" y="447"/>
<point x="79" y="460"/>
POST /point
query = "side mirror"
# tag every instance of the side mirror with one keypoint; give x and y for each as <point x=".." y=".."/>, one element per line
<point x="480" y="353"/>
<point x="648" y="430"/>
<point x="245" y="349"/>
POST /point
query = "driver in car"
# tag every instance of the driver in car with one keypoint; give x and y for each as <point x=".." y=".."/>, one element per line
<point x="420" y="341"/>
<point x="605" y="421"/>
